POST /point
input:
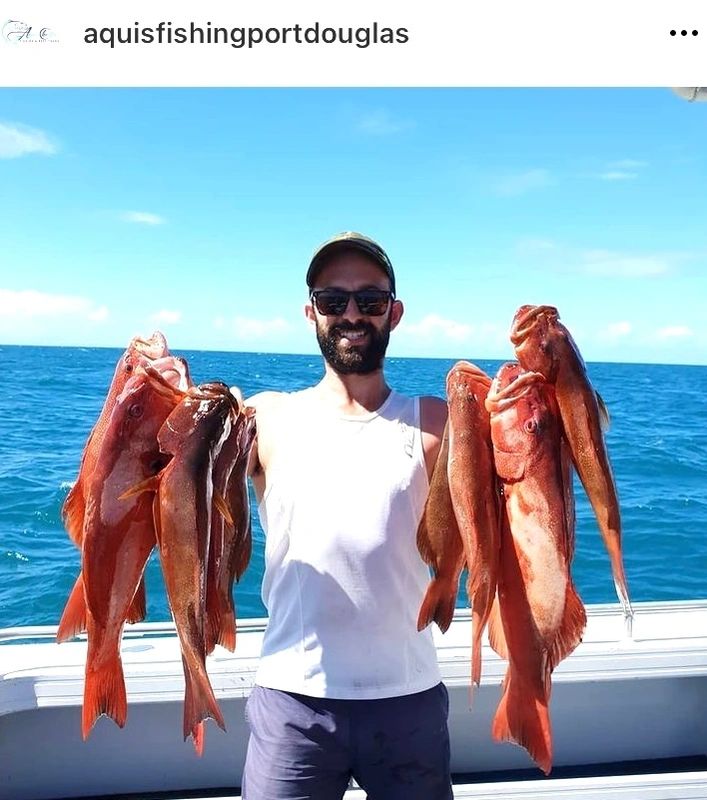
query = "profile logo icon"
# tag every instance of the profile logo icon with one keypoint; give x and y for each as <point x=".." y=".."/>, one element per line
<point x="18" y="31"/>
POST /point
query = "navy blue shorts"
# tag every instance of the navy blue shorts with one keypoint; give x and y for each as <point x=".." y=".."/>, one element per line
<point x="307" y="748"/>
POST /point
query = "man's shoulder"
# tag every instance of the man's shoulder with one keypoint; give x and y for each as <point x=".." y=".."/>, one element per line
<point x="266" y="400"/>
<point x="433" y="414"/>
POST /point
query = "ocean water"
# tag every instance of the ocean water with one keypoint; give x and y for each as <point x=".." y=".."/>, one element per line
<point x="51" y="397"/>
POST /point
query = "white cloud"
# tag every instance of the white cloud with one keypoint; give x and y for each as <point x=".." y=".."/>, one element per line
<point x="247" y="328"/>
<point x="381" y="123"/>
<point x="523" y="182"/>
<point x="627" y="163"/>
<point x="435" y="326"/>
<point x="606" y="263"/>
<point x="166" y="316"/>
<point x="616" y="330"/>
<point x="21" y="140"/>
<point x="535" y="245"/>
<point x="673" y="332"/>
<point x="618" y="175"/>
<point x="31" y="304"/>
<point x="143" y="218"/>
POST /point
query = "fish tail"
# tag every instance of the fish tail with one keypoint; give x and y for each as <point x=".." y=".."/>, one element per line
<point x="104" y="693"/>
<point x="138" y="608"/>
<point x="73" y="620"/>
<point x="197" y="736"/>
<point x="199" y="701"/>
<point x="437" y="605"/>
<point x="522" y="717"/>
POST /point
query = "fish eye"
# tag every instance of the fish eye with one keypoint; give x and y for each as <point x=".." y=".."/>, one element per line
<point x="531" y="426"/>
<point x="135" y="410"/>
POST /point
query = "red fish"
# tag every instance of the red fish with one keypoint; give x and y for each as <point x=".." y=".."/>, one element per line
<point x="542" y="616"/>
<point x="119" y="530"/>
<point x="230" y="545"/>
<point x="193" y="434"/>
<point x="440" y="545"/>
<point x="543" y="344"/>
<point x="73" y="621"/>
<point x="474" y="492"/>
<point x="139" y="351"/>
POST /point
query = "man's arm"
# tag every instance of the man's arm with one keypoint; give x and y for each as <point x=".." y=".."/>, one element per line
<point x="433" y="417"/>
<point x="265" y="404"/>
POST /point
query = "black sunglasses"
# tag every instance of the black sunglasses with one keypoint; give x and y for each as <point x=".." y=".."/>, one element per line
<point x="334" y="302"/>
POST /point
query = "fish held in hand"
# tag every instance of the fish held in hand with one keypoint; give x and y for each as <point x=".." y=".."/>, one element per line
<point x="193" y="434"/>
<point x="474" y="493"/>
<point x="541" y="615"/>
<point x="543" y="344"/>
<point x="140" y="351"/>
<point x="119" y="530"/>
<point x="440" y="546"/>
<point x="231" y="543"/>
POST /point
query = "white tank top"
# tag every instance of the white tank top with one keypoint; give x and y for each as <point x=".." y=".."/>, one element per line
<point x="343" y="578"/>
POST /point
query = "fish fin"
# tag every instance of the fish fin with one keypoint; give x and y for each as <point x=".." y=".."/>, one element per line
<point x="199" y="700"/>
<point x="438" y="605"/>
<point x="138" y="608"/>
<point x="497" y="636"/>
<point x="73" y="512"/>
<point x="222" y="507"/>
<point x="604" y="418"/>
<point x="569" y="635"/>
<point x="481" y="606"/>
<point x="104" y="693"/>
<point x="156" y="519"/>
<point x="522" y="717"/>
<point x="73" y="620"/>
<point x="226" y="635"/>
<point x="150" y="484"/>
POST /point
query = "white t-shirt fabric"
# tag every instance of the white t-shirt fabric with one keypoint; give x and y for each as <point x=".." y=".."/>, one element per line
<point x="343" y="578"/>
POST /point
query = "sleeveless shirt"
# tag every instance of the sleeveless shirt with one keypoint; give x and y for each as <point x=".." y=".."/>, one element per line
<point x="343" y="580"/>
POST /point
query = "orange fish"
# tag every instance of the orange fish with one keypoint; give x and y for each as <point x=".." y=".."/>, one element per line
<point x="541" y="615"/>
<point x="230" y="545"/>
<point x="194" y="434"/>
<point x="73" y="621"/>
<point x="440" y="545"/>
<point x="474" y="492"/>
<point x="119" y="532"/>
<point x="543" y="344"/>
<point x="139" y="351"/>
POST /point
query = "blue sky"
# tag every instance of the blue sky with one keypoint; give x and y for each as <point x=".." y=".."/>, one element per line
<point x="196" y="211"/>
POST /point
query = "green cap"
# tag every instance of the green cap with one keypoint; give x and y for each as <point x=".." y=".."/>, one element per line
<point x="350" y="240"/>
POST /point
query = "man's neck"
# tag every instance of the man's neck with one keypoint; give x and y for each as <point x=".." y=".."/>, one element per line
<point x="353" y="394"/>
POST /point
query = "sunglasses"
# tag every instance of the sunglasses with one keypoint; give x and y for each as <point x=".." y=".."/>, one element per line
<point x="334" y="302"/>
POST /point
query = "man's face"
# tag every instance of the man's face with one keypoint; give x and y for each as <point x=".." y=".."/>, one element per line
<point x="352" y="342"/>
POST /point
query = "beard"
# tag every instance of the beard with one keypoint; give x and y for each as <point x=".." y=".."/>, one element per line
<point x="353" y="359"/>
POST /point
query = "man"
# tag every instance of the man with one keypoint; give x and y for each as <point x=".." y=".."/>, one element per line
<point x="346" y="685"/>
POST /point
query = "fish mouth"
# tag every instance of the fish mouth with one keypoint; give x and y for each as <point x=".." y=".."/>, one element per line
<point x="499" y="400"/>
<point x="527" y="317"/>
<point x="168" y="376"/>
<point x="153" y="348"/>
<point x="217" y="390"/>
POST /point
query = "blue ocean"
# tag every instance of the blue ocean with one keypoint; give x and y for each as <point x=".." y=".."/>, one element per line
<point x="52" y="396"/>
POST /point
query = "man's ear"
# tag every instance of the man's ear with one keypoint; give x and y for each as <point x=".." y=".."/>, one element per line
<point x="309" y="313"/>
<point x="396" y="313"/>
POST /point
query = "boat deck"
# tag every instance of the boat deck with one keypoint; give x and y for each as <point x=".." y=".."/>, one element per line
<point x="629" y="716"/>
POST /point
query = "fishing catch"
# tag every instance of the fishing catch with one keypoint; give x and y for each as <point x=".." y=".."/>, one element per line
<point x="164" y="466"/>
<point x="541" y="615"/>
<point x="501" y="504"/>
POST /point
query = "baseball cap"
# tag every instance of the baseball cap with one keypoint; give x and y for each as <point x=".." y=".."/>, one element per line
<point x="350" y="240"/>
